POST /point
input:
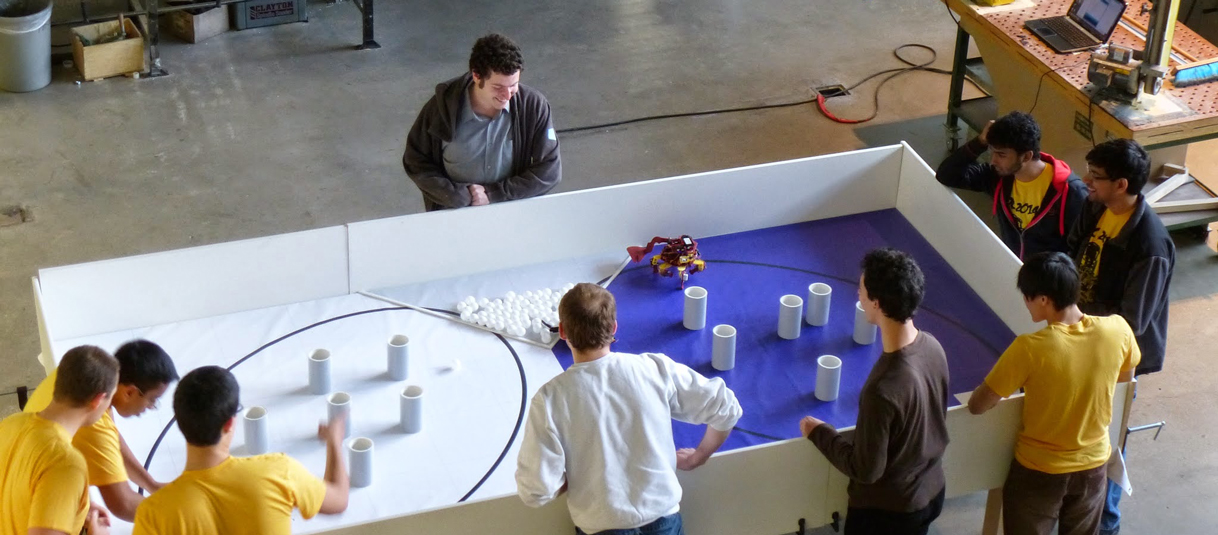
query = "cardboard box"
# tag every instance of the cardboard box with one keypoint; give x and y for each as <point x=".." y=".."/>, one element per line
<point x="195" y="27"/>
<point x="1212" y="239"/>
<point x="109" y="59"/>
<point x="259" y="13"/>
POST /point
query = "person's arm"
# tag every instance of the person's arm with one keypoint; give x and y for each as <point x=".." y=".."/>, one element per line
<point x="1145" y="292"/>
<point x="865" y="459"/>
<point x="1006" y="377"/>
<point x="338" y="486"/>
<point x="60" y="500"/>
<point x="983" y="399"/>
<point x="962" y="170"/>
<point x="1076" y="199"/>
<point x="544" y="169"/>
<point x="541" y="467"/>
<point x="136" y="471"/>
<point x="426" y="167"/>
<point x="121" y="499"/>
<point x="1133" y="356"/>
<point x="97" y="522"/>
<point x="691" y="458"/>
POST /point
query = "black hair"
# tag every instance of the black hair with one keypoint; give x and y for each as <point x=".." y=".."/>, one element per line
<point x="1017" y="131"/>
<point x="144" y="365"/>
<point x="894" y="279"/>
<point x="1051" y="274"/>
<point x="1122" y="158"/>
<point x="83" y="373"/>
<point x="495" y="53"/>
<point x="203" y="402"/>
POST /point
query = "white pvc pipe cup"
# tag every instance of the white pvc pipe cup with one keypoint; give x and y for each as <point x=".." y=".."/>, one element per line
<point x="864" y="331"/>
<point x="790" y="315"/>
<point x="723" y="348"/>
<point x="828" y="377"/>
<point x="339" y="404"/>
<point x="257" y="435"/>
<point x="695" y="308"/>
<point x="819" y="295"/>
<point x="319" y="371"/>
<point x="359" y="460"/>
<point x="412" y="409"/>
<point x="399" y="357"/>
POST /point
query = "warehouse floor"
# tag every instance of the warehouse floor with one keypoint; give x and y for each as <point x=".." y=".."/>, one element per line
<point x="287" y="128"/>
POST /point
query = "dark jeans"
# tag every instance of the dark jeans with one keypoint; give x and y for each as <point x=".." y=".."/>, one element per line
<point x="864" y="521"/>
<point x="1033" y="501"/>
<point x="665" y="525"/>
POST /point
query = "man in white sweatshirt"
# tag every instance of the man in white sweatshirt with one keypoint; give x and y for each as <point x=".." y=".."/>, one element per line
<point x="602" y="429"/>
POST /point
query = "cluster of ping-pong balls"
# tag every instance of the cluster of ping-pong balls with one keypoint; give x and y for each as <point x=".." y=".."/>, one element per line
<point x="533" y="311"/>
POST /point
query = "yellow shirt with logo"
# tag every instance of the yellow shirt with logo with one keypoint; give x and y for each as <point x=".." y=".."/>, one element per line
<point x="1026" y="197"/>
<point x="242" y="495"/>
<point x="1069" y="374"/>
<point x="99" y="443"/>
<point x="43" y="480"/>
<point x="1109" y="226"/>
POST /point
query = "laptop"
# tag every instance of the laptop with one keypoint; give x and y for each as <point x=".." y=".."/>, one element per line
<point x="1088" y="24"/>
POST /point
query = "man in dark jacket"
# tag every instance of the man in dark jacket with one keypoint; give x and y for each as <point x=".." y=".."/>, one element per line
<point x="1125" y="259"/>
<point x="484" y="137"/>
<point x="1037" y="198"/>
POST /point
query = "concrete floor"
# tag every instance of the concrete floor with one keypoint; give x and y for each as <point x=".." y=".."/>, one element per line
<point x="283" y="129"/>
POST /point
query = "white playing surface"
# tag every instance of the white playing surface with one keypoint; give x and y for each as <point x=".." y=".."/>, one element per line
<point x="471" y="382"/>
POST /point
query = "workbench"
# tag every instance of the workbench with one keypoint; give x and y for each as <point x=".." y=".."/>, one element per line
<point x="1020" y="72"/>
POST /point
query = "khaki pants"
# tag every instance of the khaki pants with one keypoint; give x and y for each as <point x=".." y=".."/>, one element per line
<point x="1033" y="501"/>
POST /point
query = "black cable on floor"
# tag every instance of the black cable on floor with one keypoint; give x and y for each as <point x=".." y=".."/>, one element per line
<point x="687" y="114"/>
<point x="1041" y="82"/>
<point x="895" y="72"/>
<point x="898" y="71"/>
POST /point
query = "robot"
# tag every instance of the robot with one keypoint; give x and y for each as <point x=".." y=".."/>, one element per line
<point x="679" y="253"/>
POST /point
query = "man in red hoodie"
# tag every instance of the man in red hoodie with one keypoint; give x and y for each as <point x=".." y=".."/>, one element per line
<point x="1037" y="199"/>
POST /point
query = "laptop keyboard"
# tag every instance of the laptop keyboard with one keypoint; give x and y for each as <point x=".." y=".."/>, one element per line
<point x="1070" y="32"/>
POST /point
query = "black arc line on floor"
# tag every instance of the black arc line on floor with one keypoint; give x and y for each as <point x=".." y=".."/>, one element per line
<point x="524" y="389"/>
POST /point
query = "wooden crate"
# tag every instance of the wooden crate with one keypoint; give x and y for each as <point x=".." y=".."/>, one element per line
<point x="1212" y="240"/>
<point x="195" y="28"/>
<point x="110" y="59"/>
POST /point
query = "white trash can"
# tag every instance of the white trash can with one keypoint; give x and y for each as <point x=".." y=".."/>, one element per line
<point x="25" y="45"/>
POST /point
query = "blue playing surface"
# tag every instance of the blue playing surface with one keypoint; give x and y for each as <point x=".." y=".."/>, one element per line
<point x="774" y="379"/>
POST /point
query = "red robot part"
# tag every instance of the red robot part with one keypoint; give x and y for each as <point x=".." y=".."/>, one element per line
<point x="680" y="254"/>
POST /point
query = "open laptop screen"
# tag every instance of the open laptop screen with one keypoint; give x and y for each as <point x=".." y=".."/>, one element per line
<point x="1099" y="17"/>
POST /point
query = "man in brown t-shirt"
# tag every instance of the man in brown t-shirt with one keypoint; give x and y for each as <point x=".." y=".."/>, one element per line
<point x="895" y="460"/>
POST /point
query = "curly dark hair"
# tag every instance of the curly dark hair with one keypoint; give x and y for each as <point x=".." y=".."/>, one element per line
<point x="894" y="279"/>
<point x="1017" y="131"/>
<point x="1051" y="274"/>
<point x="1122" y="158"/>
<point x="495" y="53"/>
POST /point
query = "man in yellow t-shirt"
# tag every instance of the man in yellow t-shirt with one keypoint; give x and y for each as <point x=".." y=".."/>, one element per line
<point x="1109" y="227"/>
<point x="145" y="372"/>
<point x="1027" y="196"/>
<point x="218" y="493"/>
<point x="1037" y="198"/>
<point x="44" y="486"/>
<point x="1068" y="371"/>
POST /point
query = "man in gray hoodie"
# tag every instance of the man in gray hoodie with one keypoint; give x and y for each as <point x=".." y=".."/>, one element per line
<point x="484" y="137"/>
